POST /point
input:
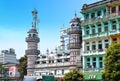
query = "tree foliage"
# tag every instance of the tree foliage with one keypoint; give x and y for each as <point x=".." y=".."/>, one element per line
<point x="23" y="66"/>
<point x="112" y="63"/>
<point x="73" y="75"/>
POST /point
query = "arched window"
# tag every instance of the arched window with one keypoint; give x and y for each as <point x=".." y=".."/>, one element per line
<point x="34" y="35"/>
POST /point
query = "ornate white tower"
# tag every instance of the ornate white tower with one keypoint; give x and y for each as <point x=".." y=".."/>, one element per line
<point x="75" y="41"/>
<point x="32" y="45"/>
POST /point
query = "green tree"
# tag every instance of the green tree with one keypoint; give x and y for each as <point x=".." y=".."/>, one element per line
<point x="1" y="69"/>
<point x="73" y="75"/>
<point x="23" y="66"/>
<point x="112" y="63"/>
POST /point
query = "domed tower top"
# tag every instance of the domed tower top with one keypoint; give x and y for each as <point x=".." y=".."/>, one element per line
<point x="75" y="19"/>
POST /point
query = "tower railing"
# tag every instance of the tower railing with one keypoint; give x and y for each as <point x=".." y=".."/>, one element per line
<point x="32" y="39"/>
<point x="32" y="51"/>
<point x="73" y="30"/>
<point x="74" y="45"/>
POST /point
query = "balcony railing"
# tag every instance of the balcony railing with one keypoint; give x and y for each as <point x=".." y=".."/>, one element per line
<point x="32" y="39"/>
<point x="94" y="51"/>
<point x="100" y="18"/>
<point x="101" y="34"/>
<point x="32" y="52"/>
<point x="74" y="45"/>
<point x="57" y="64"/>
<point x="93" y="69"/>
<point x="74" y="30"/>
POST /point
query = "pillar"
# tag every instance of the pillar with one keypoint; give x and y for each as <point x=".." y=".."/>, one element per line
<point x="84" y="62"/>
<point x="117" y="25"/>
<point x="102" y="12"/>
<point x="117" y="9"/>
<point x="90" y="43"/>
<point x="90" y="29"/>
<point x="96" y="14"/>
<point x="89" y="16"/>
<point x="110" y="25"/>
<point x="96" y="28"/>
<point x="103" y="44"/>
<point x="97" y="62"/>
<point x="91" y="61"/>
<point x="102" y="24"/>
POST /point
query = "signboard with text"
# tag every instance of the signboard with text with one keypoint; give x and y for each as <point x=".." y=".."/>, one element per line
<point x="93" y="76"/>
<point x="48" y="78"/>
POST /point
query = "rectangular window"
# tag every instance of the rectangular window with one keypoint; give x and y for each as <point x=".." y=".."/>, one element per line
<point x="113" y="9"/>
<point x="93" y="47"/>
<point x="94" y="64"/>
<point x="55" y="72"/>
<point x="52" y="61"/>
<point x="100" y="64"/>
<point x="92" y="15"/>
<point x="106" y="40"/>
<point x="100" y="58"/>
<point x="87" y="32"/>
<point x="99" y="30"/>
<point x="114" y="39"/>
<point x="99" y="13"/>
<point x="106" y="28"/>
<point x="114" y="26"/>
<point x="93" y="31"/>
<point x="100" y="46"/>
<point x="106" y="45"/>
<point x="62" y="71"/>
<point x="88" y="48"/>
<point x="88" y="59"/>
<point x="87" y="16"/>
<point x="94" y="59"/>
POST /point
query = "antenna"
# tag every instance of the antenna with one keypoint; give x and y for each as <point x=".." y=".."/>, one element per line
<point x="35" y="19"/>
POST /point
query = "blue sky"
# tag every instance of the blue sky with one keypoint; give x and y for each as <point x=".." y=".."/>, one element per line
<point x="16" y="19"/>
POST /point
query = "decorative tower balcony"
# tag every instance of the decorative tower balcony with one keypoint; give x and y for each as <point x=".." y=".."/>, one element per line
<point x="74" y="30"/>
<point x="31" y="39"/>
<point x="74" y="45"/>
<point x="32" y="52"/>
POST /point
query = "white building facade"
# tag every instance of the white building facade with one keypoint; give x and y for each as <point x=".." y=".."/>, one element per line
<point x="65" y="57"/>
<point x="8" y="56"/>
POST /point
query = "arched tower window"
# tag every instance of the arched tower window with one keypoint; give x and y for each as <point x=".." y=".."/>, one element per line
<point x="34" y="35"/>
<point x="29" y="35"/>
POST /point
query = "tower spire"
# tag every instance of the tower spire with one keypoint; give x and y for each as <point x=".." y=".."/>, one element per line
<point x="35" y="19"/>
<point x="75" y="14"/>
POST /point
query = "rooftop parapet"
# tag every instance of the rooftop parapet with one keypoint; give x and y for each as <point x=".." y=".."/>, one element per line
<point x="99" y="3"/>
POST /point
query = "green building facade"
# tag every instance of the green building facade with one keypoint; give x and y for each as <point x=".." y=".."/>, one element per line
<point x="100" y="28"/>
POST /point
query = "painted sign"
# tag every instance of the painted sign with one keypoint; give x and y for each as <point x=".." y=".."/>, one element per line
<point x="48" y="78"/>
<point x="93" y="76"/>
<point x="13" y="71"/>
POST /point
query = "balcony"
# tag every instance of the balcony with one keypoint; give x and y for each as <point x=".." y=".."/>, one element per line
<point x="93" y="69"/>
<point x="101" y="18"/>
<point x="32" y="52"/>
<point x="94" y="52"/>
<point x="60" y="64"/>
<point x="96" y="35"/>
<point x="74" y="45"/>
<point x="101" y="34"/>
<point x="32" y="39"/>
<point x="74" y="30"/>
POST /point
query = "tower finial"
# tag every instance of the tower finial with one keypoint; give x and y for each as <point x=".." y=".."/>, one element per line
<point x="75" y="14"/>
<point x="35" y="19"/>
